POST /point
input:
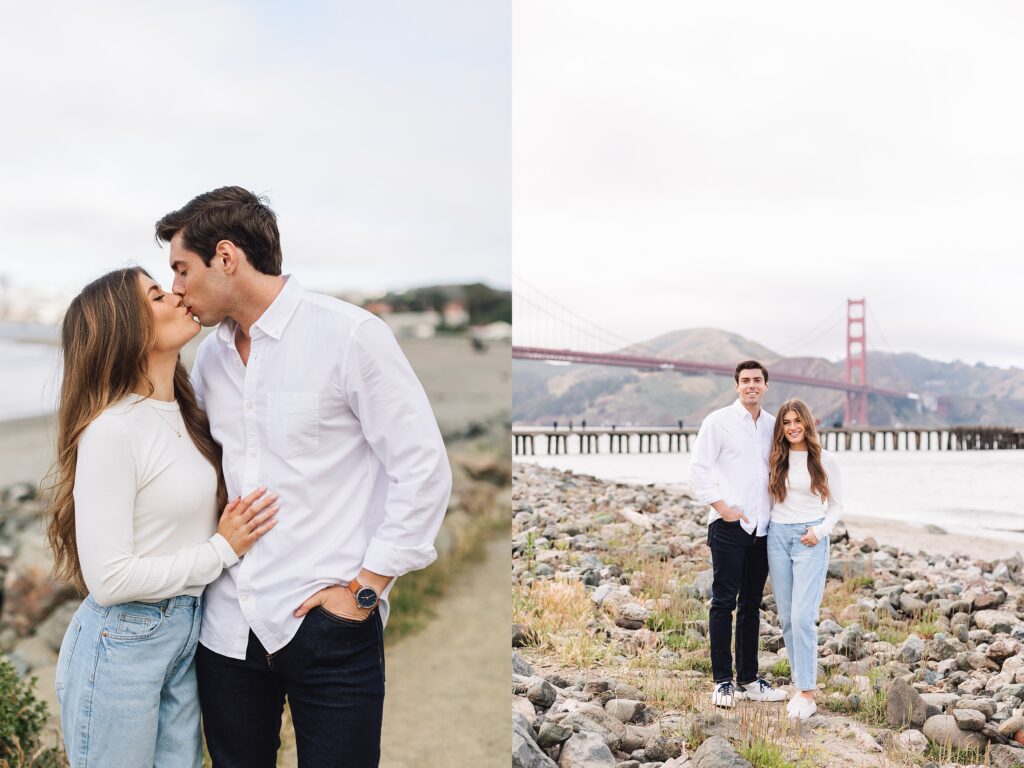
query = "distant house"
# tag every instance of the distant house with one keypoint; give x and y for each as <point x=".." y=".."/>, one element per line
<point x="413" y="325"/>
<point x="455" y="314"/>
<point x="379" y="308"/>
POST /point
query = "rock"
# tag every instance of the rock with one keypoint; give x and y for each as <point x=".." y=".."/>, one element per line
<point x="1002" y="649"/>
<point x="521" y="635"/>
<point x="31" y="654"/>
<point x="969" y="719"/>
<point x="995" y="621"/>
<point x="526" y="753"/>
<point x="1004" y="756"/>
<point x="912" y="741"/>
<point x="661" y="748"/>
<point x="1009" y="728"/>
<point x="624" y="710"/>
<point x="523" y="706"/>
<point x="702" y="584"/>
<point x="636" y="736"/>
<point x="904" y="705"/>
<point x="850" y="642"/>
<point x="583" y="724"/>
<point x="586" y="750"/>
<point x="988" y="599"/>
<point x="552" y="734"/>
<point x="845" y="568"/>
<point x="943" y="730"/>
<point x="716" y="752"/>
<point x="911" y="650"/>
<point x="521" y="666"/>
<point x="985" y="706"/>
<point x="913" y="606"/>
<point x="636" y="518"/>
<point x="542" y="693"/>
<point x="632" y="616"/>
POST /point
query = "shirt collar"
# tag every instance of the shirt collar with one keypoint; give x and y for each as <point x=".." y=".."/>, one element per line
<point x="276" y="317"/>
<point x="743" y="412"/>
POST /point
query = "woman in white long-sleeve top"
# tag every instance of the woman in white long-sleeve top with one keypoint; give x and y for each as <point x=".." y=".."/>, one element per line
<point x="134" y="522"/>
<point x="805" y="485"/>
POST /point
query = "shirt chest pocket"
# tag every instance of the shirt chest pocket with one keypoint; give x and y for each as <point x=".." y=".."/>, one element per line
<point x="293" y="422"/>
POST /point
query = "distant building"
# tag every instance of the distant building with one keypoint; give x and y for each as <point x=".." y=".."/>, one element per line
<point x="379" y="308"/>
<point x="413" y="325"/>
<point x="455" y="314"/>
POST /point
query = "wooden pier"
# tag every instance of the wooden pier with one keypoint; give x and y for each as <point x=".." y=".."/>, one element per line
<point x="562" y="440"/>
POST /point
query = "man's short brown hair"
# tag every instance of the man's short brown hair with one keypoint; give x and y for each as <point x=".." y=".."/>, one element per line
<point x="227" y="213"/>
<point x="749" y="365"/>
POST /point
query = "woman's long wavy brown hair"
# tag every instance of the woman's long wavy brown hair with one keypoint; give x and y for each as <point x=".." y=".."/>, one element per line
<point x="106" y="336"/>
<point x="778" y="464"/>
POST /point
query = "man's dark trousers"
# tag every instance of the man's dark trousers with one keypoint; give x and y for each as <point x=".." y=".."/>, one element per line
<point x="739" y="561"/>
<point x="332" y="673"/>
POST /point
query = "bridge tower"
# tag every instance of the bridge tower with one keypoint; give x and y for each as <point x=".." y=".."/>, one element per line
<point x="856" y="362"/>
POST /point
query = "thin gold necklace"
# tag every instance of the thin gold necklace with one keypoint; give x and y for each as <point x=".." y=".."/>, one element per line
<point x="177" y="430"/>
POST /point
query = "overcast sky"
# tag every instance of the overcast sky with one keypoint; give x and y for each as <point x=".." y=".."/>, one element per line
<point x="380" y="131"/>
<point x="750" y="166"/>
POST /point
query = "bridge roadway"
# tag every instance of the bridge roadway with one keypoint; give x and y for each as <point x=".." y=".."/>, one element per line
<point x="616" y="439"/>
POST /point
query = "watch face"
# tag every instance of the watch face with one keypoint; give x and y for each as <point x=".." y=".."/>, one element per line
<point x="366" y="598"/>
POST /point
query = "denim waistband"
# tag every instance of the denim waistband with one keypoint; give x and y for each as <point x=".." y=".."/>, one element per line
<point x="168" y="605"/>
<point x="816" y="521"/>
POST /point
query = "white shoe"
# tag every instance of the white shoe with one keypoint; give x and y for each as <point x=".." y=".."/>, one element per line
<point x="801" y="708"/>
<point x="726" y="695"/>
<point x="762" y="690"/>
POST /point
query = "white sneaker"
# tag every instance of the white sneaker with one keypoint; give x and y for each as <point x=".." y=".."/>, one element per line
<point x="726" y="695"/>
<point x="762" y="690"/>
<point x="801" y="708"/>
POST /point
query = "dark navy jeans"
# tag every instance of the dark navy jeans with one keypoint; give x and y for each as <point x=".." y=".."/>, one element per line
<point x="332" y="674"/>
<point x="740" y="563"/>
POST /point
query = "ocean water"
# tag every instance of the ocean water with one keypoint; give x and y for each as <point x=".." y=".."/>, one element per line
<point x="976" y="493"/>
<point x="29" y="379"/>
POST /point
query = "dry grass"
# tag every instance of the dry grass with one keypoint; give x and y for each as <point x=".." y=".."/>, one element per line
<point x="559" y="617"/>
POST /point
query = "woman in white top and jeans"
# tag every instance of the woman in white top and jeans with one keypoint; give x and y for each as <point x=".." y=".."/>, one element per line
<point x="134" y="522"/>
<point x="805" y="485"/>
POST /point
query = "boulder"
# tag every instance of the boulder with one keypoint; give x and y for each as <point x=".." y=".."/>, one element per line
<point x="1004" y="756"/>
<point x="995" y="621"/>
<point x="542" y="693"/>
<point x="624" y="710"/>
<point x="911" y="650"/>
<point x="969" y="719"/>
<point x="943" y="730"/>
<point x="716" y="752"/>
<point x="904" y="705"/>
<point x="912" y="741"/>
<point x="526" y="753"/>
<point x="552" y="734"/>
<point x="586" y="750"/>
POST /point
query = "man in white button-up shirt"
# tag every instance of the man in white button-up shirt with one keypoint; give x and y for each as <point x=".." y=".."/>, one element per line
<point x="312" y="398"/>
<point x="729" y="472"/>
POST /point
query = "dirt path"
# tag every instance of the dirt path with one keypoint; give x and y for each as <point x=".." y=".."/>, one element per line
<point x="447" y="686"/>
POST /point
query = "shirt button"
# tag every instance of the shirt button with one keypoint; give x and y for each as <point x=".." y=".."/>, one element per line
<point x="248" y="405"/>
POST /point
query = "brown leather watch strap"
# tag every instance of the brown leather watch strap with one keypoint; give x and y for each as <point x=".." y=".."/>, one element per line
<point x="354" y="586"/>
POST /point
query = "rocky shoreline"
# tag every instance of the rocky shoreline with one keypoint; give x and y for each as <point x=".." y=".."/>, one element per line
<point x="921" y="659"/>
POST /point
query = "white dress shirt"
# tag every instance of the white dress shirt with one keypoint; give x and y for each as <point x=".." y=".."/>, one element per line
<point x="145" y="506"/>
<point x="730" y="463"/>
<point x="328" y="414"/>
<point x="803" y="506"/>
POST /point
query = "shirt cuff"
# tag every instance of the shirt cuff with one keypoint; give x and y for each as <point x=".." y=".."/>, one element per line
<point x="389" y="560"/>
<point x="224" y="551"/>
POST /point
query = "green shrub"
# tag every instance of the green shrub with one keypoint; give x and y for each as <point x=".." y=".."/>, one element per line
<point x="22" y="718"/>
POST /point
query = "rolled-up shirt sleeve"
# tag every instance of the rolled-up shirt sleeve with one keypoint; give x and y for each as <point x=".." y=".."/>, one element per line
<point x="104" y="493"/>
<point x="702" y="463"/>
<point x="399" y="426"/>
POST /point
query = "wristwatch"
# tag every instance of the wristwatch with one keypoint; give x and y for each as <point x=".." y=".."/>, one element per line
<point x="366" y="597"/>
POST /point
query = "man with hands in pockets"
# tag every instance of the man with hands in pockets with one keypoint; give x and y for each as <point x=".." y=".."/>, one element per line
<point x="729" y="472"/>
<point x="311" y="396"/>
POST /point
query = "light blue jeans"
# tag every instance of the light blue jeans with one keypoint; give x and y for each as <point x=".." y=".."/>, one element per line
<point x="798" y="581"/>
<point x="126" y="682"/>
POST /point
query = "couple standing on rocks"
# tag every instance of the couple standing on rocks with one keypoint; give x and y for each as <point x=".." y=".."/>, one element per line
<point x="775" y="496"/>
